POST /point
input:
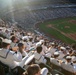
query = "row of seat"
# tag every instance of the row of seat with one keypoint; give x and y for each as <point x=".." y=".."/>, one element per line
<point x="54" y="69"/>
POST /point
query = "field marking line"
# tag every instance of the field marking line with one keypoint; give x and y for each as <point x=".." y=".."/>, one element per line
<point x="60" y="31"/>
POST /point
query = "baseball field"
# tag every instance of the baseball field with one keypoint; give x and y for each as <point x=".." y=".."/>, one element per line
<point x="63" y="29"/>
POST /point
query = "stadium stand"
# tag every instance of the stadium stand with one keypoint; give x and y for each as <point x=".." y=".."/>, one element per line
<point x="39" y="43"/>
<point x="32" y="15"/>
<point x="20" y="49"/>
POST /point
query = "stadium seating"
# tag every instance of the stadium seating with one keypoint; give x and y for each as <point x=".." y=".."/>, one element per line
<point x="5" y="70"/>
<point x="27" y="19"/>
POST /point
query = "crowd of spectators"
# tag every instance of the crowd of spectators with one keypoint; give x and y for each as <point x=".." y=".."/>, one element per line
<point x="22" y="48"/>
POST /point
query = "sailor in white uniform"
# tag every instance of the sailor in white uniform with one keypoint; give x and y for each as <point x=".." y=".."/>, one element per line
<point x="68" y="65"/>
<point x="55" y="60"/>
<point x="61" y="53"/>
<point x="39" y="58"/>
<point x="11" y="58"/>
<point x="21" y="49"/>
<point x="52" y="49"/>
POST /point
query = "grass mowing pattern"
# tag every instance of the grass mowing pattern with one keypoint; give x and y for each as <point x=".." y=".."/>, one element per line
<point x="60" y="24"/>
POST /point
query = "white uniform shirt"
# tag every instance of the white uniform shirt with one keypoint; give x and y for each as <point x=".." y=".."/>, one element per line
<point x="24" y="53"/>
<point x="61" y="55"/>
<point x="44" y="50"/>
<point x="55" y="61"/>
<point x="74" y="65"/>
<point x="68" y="67"/>
<point x="52" y="50"/>
<point x="39" y="58"/>
<point x="9" y="57"/>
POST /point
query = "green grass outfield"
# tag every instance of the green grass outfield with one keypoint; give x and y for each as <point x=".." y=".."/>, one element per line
<point x="60" y="24"/>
